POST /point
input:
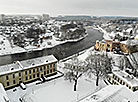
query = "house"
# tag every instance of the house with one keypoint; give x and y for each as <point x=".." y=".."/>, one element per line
<point x="133" y="61"/>
<point x="27" y="70"/>
<point x="107" y="45"/>
<point x="123" y="78"/>
<point x="129" y="46"/>
<point x="136" y="37"/>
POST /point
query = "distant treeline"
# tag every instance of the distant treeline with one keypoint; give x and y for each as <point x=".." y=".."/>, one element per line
<point x="124" y="20"/>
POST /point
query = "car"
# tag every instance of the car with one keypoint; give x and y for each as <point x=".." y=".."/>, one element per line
<point x="23" y="86"/>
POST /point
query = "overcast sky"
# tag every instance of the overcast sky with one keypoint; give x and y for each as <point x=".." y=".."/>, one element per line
<point x="69" y="7"/>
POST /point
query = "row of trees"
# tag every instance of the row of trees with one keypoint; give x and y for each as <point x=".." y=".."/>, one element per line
<point x="96" y="64"/>
<point x="69" y="33"/>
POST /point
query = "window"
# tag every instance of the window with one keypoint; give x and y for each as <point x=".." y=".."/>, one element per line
<point x="8" y="83"/>
<point x="20" y="79"/>
<point x="30" y="77"/>
<point x="54" y="65"/>
<point x="134" y="89"/>
<point x="7" y="78"/>
<point x="120" y="81"/>
<point x="13" y="75"/>
<point x="34" y="76"/>
<point x="44" y="72"/>
<point x="19" y="74"/>
<point x="34" y="70"/>
<point x="26" y="78"/>
<point x="54" y="70"/>
<point x="41" y="69"/>
<point x="50" y="70"/>
<point x="26" y="72"/>
<point x="30" y="71"/>
<point x="37" y="74"/>
<point x="50" y="65"/>
<point x="47" y="71"/>
<point x="44" y="67"/>
<point x="108" y="45"/>
<point x="47" y="66"/>
<point x="14" y="82"/>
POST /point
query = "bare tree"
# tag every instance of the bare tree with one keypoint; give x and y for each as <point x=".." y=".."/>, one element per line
<point x="98" y="65"/>
<point x="122" y="64"/>
<point x="74" y="70"/>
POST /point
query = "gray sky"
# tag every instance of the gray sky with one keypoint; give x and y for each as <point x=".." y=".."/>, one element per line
<point x="69" y="7"/>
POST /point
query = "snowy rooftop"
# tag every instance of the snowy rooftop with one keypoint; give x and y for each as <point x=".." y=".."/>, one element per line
<point x="112" y="93"/>
<point x="127" y="78"/>
<point x="38" y="61"/>
<point x="133" y="58"/>
<point x="136" y="36"/>
<point x="26" y="64"/>
<point x="8" y="68"/>
<point x="131" y="42"/>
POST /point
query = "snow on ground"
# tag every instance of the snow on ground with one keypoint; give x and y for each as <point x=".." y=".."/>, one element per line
<point x="113" y="93"/>
<point x="106" y="35"/>
<point x="5" y="47"/>
<point x="115" y="58"/>
<point x="62" y="91"/>
<point x="58" y="90"/>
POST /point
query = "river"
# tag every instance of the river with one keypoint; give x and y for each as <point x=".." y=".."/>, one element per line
<point x="60" y="51"/>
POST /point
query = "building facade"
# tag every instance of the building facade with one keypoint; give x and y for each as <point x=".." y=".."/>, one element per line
<point x="129" y="46"/>
<point x="107" y="45"/>
<point x="123" y="78"/>
<point x="45" y="17"/>
<point x="27" y="70"/>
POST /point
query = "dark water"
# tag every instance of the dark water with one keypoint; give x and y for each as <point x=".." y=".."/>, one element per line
<point x="60" y="51"/>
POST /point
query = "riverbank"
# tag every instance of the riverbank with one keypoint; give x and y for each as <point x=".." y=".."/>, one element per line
<point x="60" y="51"/>
<point x="7" y="49"/>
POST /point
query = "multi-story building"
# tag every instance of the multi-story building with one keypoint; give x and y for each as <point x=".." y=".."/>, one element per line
<point x="123" y="78"/>
<point x="107" y="45"/>
<point x="45" y="17"/>
<point x="2" y="17"/>
<point x="129" y="46"/>
<point x="27" y="70"/>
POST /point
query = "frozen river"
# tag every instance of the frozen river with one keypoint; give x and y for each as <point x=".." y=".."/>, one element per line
<point x="60" y="51"/>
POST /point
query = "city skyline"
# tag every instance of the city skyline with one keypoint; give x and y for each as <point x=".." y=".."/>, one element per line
<point x="72" y="7"/>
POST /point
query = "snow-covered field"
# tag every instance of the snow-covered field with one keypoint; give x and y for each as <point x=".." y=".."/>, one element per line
<point x="58" y="90"/>
<point x="5" y="47"/>
<point x="62" y="91"/>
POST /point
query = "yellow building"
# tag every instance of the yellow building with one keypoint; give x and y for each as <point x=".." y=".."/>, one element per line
<point x="136" y="37"/>
<point x="27" y="70"/>
<point x="123" y="78"/>
<point x="129" y="46"/>
<point x="107" y="45"/>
